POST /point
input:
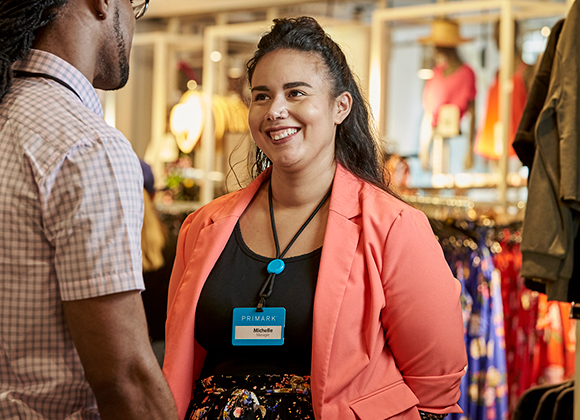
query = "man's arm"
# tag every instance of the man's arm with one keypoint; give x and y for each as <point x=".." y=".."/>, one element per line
<point x="110" y="334"/>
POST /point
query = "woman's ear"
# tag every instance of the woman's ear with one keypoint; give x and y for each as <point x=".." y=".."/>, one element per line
<point x="343" y="104"/>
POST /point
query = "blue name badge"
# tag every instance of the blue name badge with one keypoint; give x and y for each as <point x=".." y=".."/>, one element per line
<point x="252" y="328"/>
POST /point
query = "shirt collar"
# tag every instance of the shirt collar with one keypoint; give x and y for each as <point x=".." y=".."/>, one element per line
<point x="38" y="61"/>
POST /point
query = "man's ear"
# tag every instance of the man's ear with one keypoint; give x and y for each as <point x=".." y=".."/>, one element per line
<point x="343" y="105"/>
<point x="102" y="8"/>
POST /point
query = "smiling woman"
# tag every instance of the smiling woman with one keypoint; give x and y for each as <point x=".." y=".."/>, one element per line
<point x="314" y="292"/>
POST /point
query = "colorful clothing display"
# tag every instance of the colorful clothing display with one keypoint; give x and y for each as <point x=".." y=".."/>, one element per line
<point x="458" y="88"/>
<point x="484" y="387"/>
<point x="488" y="143"/>
<point x="515" y="338"/>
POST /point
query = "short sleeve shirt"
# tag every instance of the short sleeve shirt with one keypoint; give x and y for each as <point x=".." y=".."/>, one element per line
<point x="457" y="88"/>
<point x="71" y="208"/>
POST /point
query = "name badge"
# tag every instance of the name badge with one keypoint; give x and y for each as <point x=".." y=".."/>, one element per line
<point x="252" y="328"/>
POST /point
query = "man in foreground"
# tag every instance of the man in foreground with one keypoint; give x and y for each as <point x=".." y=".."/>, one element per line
<point x="73" y="336"/>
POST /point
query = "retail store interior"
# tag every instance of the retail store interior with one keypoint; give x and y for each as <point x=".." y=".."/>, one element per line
<point x="185" y="109"/>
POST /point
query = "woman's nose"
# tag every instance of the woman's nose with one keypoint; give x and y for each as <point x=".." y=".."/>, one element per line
<point x="277" y="111"/>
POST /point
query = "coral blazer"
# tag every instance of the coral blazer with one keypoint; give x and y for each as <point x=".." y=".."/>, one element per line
<point x="388" y="331"/>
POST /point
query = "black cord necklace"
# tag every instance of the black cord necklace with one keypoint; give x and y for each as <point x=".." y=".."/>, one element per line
<point x="276" y="266"/>
<point x="22" y="74"/>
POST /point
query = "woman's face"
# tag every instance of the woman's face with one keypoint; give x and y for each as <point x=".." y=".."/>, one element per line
<point x="292" y="115"/>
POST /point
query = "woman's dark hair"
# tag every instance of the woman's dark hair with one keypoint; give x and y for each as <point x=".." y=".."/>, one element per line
<point x="19" y="22"/>
<point x="355" y="145"/>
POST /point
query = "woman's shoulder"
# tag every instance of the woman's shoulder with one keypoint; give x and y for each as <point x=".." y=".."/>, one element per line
<point x="375" y="201"/>
<point x="385" y="204"/>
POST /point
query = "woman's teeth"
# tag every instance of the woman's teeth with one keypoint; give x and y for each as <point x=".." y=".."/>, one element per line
<point x="279" y="135"/>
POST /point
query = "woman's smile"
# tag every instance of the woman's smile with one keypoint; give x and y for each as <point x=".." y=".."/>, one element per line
<point x="283" y="133"/>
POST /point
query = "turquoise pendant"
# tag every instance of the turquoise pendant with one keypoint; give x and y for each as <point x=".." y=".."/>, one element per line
<point x="276" y="266"/>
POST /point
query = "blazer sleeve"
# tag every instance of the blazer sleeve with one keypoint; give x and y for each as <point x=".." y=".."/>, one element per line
<point x="422" y="317"/>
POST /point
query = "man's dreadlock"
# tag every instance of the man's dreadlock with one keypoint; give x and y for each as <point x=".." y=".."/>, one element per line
<point x="19" y="22"/>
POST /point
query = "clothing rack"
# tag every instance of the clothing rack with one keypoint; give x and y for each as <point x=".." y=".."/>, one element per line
<point x="462" y="202"/>
<point x="466" y="204"/>
<point x="500" y="213"/>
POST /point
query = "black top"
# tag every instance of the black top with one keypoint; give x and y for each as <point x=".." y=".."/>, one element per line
<point x="235" y="282"/>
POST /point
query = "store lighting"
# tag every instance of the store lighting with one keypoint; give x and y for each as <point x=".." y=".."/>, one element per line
<point x="425" y="74"/>
<point x="186" y="120"/>
<point x="215" y="56"/>
<point x="545" y="31"/>
<point x="192" y="85"/>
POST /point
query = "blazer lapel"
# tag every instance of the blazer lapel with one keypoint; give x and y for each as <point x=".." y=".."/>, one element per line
<point x="338" y="250"/>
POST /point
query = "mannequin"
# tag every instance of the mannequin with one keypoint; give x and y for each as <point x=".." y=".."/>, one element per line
<point x="451" y="87"/>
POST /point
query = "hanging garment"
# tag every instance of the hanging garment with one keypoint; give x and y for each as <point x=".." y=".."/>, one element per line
<point x="487" y="143"/>
<point x="529" y="402"/>
<point x="557" y="347"/>
<point x="547" y="403"/>
<point x="520" y="306"/>
<point x="552" y="214"/>
<point x="564" y="408"/>
<point x="457" y="88"/>
<point x="484" y="387"/>
<point x="524" y="143"/>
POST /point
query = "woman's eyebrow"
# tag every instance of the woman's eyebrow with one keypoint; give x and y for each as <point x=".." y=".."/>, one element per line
<point x="264" y="88"/>
<point x="295" y="84"/>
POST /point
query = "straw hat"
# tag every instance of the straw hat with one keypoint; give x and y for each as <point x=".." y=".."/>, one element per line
<point x="444" y="33"/>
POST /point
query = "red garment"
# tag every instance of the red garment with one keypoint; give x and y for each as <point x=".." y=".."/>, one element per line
<point x="520" y="306"/>
<point x="485" y="142"/>
<point x="539" y="336"/>
<point x="559" y="342"/>
<point x="458" y="88"/>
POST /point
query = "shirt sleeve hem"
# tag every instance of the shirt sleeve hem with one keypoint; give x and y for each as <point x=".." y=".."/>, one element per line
<point x="102" y="286"/>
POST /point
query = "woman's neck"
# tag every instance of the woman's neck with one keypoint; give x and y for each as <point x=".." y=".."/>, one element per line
<point x="303" y="189"/>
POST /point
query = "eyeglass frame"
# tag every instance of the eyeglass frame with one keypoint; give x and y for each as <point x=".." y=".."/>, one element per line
<point x="140" y="9"/>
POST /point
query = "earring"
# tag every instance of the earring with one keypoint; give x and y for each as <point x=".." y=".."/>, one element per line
<point x="101" y="16"/>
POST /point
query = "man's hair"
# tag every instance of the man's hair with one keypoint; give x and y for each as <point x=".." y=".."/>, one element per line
<point x="355" y="145"/>
<point x="20" y="21"/>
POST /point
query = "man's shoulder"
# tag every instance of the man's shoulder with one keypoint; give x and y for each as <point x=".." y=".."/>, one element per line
<point x="53" y="115"/>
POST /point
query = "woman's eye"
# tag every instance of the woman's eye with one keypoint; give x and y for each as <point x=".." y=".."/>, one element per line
<point x="295" y="93"/>
<point x="259" y="97"/>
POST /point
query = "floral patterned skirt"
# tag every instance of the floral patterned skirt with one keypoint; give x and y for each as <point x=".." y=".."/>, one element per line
<point x="252" y="397"/>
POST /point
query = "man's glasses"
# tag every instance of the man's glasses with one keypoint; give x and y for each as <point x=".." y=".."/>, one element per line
<point x="139" y="8"/>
